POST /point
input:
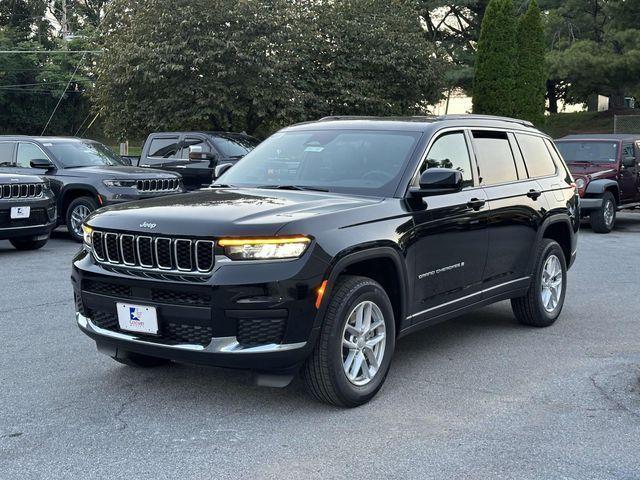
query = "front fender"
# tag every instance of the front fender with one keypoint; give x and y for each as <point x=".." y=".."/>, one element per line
<point x="599" y="186"/>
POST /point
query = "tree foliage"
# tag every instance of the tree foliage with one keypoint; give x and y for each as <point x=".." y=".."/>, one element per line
<point x="531" y="73"/>
<point x="495" y="71"/>
<point x="255" y="65"/>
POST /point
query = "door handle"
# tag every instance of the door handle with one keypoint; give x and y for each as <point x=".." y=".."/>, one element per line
<point x="534" y="194"/>
<point x="476" y="203"/>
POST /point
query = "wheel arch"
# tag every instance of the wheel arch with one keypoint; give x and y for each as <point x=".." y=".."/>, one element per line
<point x="599" y="186"/>
<point x="385" y="265"/>
<point x="559" y="229"/>
<point x="70" y="193"/>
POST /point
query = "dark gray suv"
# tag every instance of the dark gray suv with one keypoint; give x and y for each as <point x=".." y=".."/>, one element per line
<point x="84" y="175"/>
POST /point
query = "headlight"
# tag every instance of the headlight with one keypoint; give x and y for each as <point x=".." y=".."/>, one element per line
<point x="86" y="233"/>
<point x="580" y="183"/>
<point x="119" y="183"/>
<point x="264" y="248"/>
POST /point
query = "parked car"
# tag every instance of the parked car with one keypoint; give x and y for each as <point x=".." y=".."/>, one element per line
<point x="607" y="173"/>
<point x="194" y="155"/>
<point x="27" y="211"/>
<point x="83" y="174"/>
<point x="328" y="242"/>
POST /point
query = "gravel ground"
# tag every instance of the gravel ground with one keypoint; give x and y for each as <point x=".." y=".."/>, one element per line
<point x="476" y="397"/>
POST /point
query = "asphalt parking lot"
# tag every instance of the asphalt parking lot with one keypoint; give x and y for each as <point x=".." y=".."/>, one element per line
<point x="476" y="397"/>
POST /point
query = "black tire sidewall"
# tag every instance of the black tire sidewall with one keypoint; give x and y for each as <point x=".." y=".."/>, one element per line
<point x="352" y="394"/>
<point x="551" y="247"/>
<point x="88" y="202"/>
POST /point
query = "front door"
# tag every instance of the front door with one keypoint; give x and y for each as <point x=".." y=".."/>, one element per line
<point x="629" y="175"/>
<point x="449" y="240"/>
<point x="196" y="173"/>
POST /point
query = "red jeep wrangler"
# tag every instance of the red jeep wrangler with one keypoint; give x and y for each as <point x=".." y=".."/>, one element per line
<point x="607" y="173"/>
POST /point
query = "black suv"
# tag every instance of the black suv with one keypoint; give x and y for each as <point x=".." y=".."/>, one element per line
<point x="84" y="175"/>
<point x="27" y="211"/>
<point x="329" y="241"/>
<point x="194" y="155"/>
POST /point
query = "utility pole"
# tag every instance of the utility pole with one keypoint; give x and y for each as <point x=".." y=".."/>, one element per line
<point x="65" y="26"/>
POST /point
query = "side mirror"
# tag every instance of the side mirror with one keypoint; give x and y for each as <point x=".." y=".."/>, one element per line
<point x="42" y="164"/>
<point x="220" y="169"/>
<point x="628" y="162"/>
<point x="196" y="154"/>
<point x="438" y="181"/>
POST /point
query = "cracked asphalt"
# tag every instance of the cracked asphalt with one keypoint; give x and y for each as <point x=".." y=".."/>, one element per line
<point x="476" y="397"/>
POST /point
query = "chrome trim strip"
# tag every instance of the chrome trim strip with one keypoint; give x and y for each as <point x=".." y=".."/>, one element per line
<point x="218" y="344"/>
<point x="93" y="240"/>
<point x="437" y="307"/>
<point x="213" y="259"/>
<point x="175" y="252"/>
<point x="106" y="244"/>
<point x="124" y="262"/>
<point x="144" y="265"/>
<point x="155" y="242"/>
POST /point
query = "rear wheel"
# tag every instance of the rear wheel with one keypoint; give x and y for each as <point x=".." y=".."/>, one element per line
<point x="543" y="302"/>
<point x="28" y="243"/>
<point x="604" y="219"/>
<point x="352" y="357"/>
<point x="78" y="210"/>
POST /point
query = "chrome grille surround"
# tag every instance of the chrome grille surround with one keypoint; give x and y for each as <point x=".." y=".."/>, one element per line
<point x="153" y="254"/>
<point x="158" y="185"/>
<point x="21" y="190"/>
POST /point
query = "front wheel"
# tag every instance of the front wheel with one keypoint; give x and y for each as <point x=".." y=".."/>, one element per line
<point x="543" y="302"/>
<point x="604" y="219"/>
<point x="28" y="243"/>
<point x="78" y="210"/>
<point x="352" y="357"/>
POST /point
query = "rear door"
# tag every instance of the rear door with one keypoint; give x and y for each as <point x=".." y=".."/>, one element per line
<point x="629" y="176"/>
<point x="516" y="204"/>
<point x="163" y="152"/>
<point x="449" y="239"/>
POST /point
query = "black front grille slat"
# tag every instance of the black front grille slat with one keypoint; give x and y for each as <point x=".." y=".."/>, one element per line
<point x="152" y="254"/>
<point x="104" y="288"/>
<point x="157" y="185"/>
<point x="260" y="331"/>
<point x="21" y="190"/>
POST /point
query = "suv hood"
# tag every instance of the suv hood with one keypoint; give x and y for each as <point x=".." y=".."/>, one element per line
<point x="119" y="172"/>
<point x="19" y="178"/>
<point x="223" y="212"/>
<point x="592" y="170"/>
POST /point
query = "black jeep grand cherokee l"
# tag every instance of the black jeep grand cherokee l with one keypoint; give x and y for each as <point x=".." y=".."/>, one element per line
<point x="27" y="211"/>
<point x="329" y="241"/>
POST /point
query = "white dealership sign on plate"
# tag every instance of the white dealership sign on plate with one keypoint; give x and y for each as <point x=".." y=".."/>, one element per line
<point x="20" y="212"/>
<point x="137" y="318"/>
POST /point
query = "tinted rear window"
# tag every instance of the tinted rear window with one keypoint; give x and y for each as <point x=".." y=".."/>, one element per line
<point x="536" y="156"/>
<point x="495" y="158"/>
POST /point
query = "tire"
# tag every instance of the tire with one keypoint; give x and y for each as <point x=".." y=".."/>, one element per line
<point x="323" y="372"/>
<point x="530" y="309"/>
<point x="28" y="243"/>
<point x="80" y="206"/>
<point x="604" y="219"/>
<point x="139" y="360"/>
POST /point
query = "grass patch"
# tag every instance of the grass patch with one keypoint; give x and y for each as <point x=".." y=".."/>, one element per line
<point x="561" y="124"/>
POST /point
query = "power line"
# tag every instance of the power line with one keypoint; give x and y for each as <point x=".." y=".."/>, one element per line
<point x="53" y="52"/>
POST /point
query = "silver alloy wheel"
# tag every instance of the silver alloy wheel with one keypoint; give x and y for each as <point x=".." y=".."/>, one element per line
<point x="363" y="343"/>
<point x="552" y="279"/>
<point x="609" y="212"/>
<point x="78" y="215"/>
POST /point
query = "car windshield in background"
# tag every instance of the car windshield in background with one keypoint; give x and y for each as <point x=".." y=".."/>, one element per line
<point x="84" y="154"/>
<point x="343" y="161"/>
<point x="588" y="151"/>
<point x="235" y="146"/>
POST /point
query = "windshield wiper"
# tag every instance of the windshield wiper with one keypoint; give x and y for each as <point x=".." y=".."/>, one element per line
<point x="293" y="187"/>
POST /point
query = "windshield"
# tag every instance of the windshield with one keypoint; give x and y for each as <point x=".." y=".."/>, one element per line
<point x="84" y="154"/>
<point x="589" y="151"/>
<point x="344" y="161"/>
<point x="235" y="146"/>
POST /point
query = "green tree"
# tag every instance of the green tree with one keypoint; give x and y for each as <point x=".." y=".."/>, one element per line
<point x="531" y="75"/>
<point x="256" y="65"/>
<point x="495" y="71"/>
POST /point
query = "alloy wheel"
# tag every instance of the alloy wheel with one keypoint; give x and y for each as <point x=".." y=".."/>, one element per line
<point x="552" y="283"/>
<point x="609" y="212"/>
<point x="78" y="215"/>
<point x="363" y="343"/>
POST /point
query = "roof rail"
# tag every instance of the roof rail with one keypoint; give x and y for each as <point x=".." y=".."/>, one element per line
<point x="373" y="117"/>
<point x="475" y="116"/>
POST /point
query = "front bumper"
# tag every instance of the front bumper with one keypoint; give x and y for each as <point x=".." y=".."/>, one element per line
<point x="587" y="205"/>
<point x="41" y="222"/>
<point x="260" y="317"/>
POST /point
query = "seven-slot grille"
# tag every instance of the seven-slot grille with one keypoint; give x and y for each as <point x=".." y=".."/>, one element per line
<point x="21" y="190"/>
<point x="156" y="253"/>
<point x="158" y="185"/>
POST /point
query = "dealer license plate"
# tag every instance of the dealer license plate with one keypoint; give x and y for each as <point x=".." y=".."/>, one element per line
<point x="137" y="318"/>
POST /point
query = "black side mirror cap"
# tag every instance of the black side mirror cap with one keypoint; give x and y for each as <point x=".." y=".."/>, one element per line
<point x="42" y="164"/>
<point x="629" y="162"/>
<point x="438" y="181"/>
<point x="220" y="169"/>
